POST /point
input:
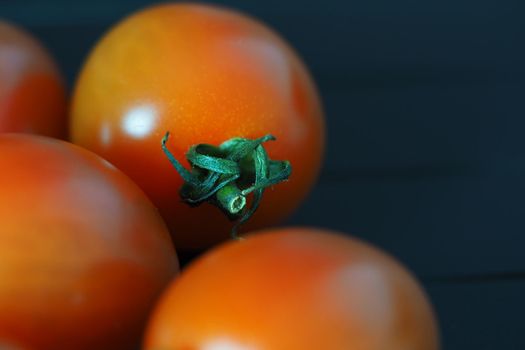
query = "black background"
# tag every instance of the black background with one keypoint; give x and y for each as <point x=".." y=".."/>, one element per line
<point x="426" y="154"/>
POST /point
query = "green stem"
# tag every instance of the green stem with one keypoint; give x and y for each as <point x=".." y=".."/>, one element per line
<point x="225" y="175"/>
<point x="231" y="199"/>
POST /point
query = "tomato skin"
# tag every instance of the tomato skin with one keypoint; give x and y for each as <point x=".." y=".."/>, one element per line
<point x="205" y="74"/>
<point x="32" y="92"/>
<point x="294" y="289"/>
<point x="83" y="252"/>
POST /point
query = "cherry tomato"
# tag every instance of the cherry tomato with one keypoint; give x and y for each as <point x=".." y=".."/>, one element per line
<point x="83" y="252"/>
<point x="294" y="289"/>
<point x="207" y="75"/>
<point x="32" y="94"/>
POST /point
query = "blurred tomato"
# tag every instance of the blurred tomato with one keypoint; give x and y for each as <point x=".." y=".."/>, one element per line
<point x="206" y="74"/>
<point x="83" y="253"/>
<point x="32" y="94"/>
<point x="294" y="289"/>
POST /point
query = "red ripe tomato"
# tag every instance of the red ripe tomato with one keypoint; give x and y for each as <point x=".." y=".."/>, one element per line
<point x="207" y="75"/>
<point x="294" y="289"/>
<point x="32" y="94"/>
<point x="83" y="252"/>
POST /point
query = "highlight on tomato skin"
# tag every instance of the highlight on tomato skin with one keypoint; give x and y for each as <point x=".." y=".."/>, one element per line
<point x="32" y="91"/>
<point x="83" y="252"/>
<point x="294" y="289"/>
<point x="206" y="74"/>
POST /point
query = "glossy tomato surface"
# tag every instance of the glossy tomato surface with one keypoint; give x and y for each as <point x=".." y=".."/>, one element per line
<point x="32" y="93"/>
<point x="205" y="74"/>
<point x="83" y="252"/>
<point x="294" y="289"/>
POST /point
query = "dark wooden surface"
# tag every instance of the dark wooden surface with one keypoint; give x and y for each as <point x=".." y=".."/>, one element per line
<point x="426" y="155"/>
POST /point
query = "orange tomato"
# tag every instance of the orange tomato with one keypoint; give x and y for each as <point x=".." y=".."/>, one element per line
<point x="206" y="74"/>
<point x="83" y="252"/>
<point x="294" y="289"/>
<point x="32" y="94"/>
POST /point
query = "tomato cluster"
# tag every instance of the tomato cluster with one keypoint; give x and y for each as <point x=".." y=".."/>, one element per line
<point x="188" y="124"/>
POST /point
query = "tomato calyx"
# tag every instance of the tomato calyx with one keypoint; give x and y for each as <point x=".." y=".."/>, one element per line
<point x="225" y="175"/>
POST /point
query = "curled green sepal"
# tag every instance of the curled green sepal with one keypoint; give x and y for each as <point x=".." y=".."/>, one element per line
<point x="225" y="175"/>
